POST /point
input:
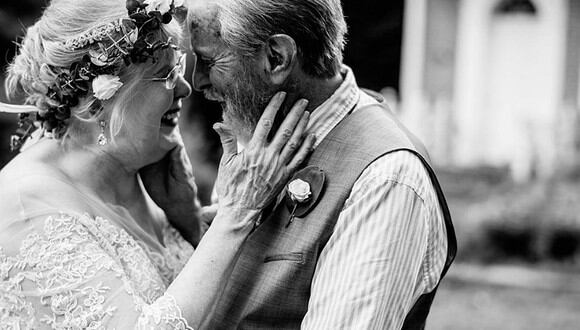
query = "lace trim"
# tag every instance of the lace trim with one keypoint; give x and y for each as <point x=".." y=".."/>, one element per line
<point x="163" y="313"/>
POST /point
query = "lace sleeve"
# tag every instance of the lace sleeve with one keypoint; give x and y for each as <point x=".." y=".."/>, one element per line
<point x="77" y="272"/>
<point x="162" y="314"/>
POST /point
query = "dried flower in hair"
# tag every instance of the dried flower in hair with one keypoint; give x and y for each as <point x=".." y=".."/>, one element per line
<point x="105" y="86"/>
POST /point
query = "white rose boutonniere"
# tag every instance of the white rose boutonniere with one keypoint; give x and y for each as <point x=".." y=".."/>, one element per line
<point x="299" y="190"/>
<point x="304" y="190"/>
<point x="105" y="86"/>
<point x="162" y="6"/>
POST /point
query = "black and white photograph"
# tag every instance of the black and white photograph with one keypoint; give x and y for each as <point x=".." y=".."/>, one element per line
<point x="290" y="164"/>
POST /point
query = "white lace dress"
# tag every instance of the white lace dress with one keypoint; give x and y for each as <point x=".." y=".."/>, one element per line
<point x="65" y="269"/>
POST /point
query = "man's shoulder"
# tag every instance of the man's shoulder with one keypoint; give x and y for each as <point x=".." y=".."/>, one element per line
<point x="401" y="167"/>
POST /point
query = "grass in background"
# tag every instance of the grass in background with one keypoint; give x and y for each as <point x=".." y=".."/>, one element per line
<point x="498" y="221"/>
<point x="518" y="260"/>
<point x="465" y="306"/>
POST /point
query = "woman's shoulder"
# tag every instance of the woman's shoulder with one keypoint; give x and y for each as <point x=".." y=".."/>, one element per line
<point x="25" y="173"/>
<point x="32" y="161"/>
<point x="30" y="185"/>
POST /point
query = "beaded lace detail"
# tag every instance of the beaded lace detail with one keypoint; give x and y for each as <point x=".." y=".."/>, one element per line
<point x="81" y="272"/>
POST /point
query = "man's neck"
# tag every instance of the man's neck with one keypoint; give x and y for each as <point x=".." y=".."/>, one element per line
<point x="316" y="90"/>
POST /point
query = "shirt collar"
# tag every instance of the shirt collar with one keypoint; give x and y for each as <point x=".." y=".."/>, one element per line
<point x="326" y="116"/>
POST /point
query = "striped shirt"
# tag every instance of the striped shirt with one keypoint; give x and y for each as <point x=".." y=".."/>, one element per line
<point x="389" y="244"/>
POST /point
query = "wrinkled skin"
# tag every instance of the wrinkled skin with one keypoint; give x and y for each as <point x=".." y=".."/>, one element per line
<point x="251" y="179"/>
<point x="247" y="181"/>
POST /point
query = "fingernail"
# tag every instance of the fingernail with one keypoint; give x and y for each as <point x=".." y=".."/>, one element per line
<point x="281" y="95"/>
<point x="303" y="102"/>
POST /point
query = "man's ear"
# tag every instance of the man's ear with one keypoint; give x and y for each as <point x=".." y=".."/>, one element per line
<point x="279" y="57"/>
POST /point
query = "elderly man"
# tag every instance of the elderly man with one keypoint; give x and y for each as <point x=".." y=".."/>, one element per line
<point x="367" y="240"/>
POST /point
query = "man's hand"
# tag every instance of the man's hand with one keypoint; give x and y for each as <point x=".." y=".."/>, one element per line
<point x="171" y="185"/>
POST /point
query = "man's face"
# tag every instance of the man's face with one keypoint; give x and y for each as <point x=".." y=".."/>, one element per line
<point x="228" y="78"/>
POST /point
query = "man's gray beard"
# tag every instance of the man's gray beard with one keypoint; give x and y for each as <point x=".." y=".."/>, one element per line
<point x="245" y="102"/>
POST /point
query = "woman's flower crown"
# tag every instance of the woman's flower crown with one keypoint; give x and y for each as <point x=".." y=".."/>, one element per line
<point x="127" y="40"/>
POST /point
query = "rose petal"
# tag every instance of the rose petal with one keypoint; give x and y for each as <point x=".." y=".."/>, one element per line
<point x="105" y="86"/>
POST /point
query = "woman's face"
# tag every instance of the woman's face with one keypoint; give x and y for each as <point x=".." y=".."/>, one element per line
<point x="152" y="111"/>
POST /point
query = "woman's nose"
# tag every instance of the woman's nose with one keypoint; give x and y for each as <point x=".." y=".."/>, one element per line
<point x="182" y="88"/>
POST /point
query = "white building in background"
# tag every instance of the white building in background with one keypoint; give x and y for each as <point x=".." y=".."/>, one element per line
<point x="494" y="82"/>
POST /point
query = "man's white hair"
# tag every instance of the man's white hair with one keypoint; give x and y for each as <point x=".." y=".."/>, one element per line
<point x="317" y="26"/>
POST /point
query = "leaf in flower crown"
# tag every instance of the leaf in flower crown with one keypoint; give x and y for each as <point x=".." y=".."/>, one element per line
<point x="140" y="44"/>
<point x="133" y="35"/>
<point x="153" y="24"/>
<point x="166" y="18"/>
<point x="99" y="57"/>
<point x="83" y="86"/>
<point x="130" y="31"/>
<point x="84" y="73"/>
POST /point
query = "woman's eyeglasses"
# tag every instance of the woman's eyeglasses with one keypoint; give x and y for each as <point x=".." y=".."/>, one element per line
<point x="175" y="73"/>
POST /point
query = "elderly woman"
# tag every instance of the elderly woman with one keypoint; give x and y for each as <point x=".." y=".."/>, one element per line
<point x="82" y="244"/>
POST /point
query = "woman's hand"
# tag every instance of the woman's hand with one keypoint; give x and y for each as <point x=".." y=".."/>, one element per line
<point x="250" y="180"/>
<point x="171" y="185"/>
<point x="247" y="181"/>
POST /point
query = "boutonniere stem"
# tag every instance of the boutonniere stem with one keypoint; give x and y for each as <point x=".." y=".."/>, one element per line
<point x="292" y="215"/>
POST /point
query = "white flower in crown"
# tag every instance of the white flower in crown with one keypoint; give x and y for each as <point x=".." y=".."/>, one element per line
<point x="105" y="86"/>
<point x="299" y="190"/>
<point x="162" y="6"/>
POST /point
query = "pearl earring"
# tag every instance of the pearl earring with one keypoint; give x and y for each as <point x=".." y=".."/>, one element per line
<point x="102" y="139"/>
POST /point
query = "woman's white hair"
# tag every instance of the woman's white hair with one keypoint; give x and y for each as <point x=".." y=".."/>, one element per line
<point x="41" y="56"/>
<point x="317" y="26"/>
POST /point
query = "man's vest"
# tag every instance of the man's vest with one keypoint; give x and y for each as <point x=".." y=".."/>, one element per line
<point x="270" y="284"/>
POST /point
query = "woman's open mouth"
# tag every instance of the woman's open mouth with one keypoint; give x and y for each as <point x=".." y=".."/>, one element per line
<point x="170" y="118"/>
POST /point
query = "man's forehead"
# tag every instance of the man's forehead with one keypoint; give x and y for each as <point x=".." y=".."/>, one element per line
<point x="205" y="36"/>
<point x="203" y="15"/>
<point x="206" y="39"/>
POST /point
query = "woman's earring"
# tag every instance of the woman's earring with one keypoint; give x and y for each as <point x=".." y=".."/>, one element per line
<point x="102" y="139"/>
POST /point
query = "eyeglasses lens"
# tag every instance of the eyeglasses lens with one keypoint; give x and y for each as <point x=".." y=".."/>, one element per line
<point x="178" y="71"/>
